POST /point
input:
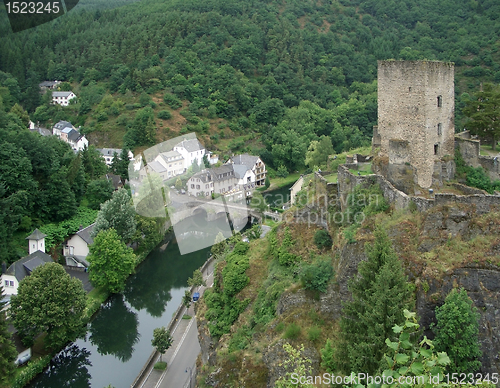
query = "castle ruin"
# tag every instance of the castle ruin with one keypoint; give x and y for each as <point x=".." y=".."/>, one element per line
<point x="416" y="126"/>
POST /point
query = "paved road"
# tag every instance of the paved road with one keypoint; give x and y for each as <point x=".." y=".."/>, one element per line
<point x="181" y="357"/>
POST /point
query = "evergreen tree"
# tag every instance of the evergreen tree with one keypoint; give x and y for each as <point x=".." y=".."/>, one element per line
<point x="380" y="293"/>
<point x="7" y="349"/>
<point x="457" y="332"/>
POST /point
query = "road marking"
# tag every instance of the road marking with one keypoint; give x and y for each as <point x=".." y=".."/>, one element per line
<point x="175" y="353"/>
<point x="182" y="339"/>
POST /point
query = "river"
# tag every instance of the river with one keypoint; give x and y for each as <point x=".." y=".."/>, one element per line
<point x="118" y="340"/>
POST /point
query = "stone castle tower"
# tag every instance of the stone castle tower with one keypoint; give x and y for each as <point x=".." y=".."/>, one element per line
<point x="416" y="103"/>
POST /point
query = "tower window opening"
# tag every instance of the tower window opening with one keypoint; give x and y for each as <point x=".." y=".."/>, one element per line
<point x="440" y="101"/>
<point x="440" y="129"/>
<point x="436" y="149"/>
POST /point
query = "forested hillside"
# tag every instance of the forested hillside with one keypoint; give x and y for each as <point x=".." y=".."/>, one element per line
<point x="251" y="63"/>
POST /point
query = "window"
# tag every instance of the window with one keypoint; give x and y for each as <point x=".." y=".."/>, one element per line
<point x="436" y="149"/>
<point x="440" y="101"/>
<point x="440" y="129"/>
<point x="6" y="283"/>
<point x="197" y="186"/>
<point x="192" y="186"/>
<point x="206" y="186"/>
<point x="12" y="283"/>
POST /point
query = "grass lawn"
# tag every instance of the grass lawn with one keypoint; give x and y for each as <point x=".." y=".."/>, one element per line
<point x="277" y="183"/>
<point x="331" y="178"/>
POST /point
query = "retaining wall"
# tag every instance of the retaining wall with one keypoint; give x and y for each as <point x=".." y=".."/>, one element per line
<point x="177" y="315"/>
<point x="484" y="203"/>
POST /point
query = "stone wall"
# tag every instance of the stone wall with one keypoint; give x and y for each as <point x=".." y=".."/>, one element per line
<point x="469" y="149"/>
<point x="484" y="203"/>
<point x="408" y="109"/>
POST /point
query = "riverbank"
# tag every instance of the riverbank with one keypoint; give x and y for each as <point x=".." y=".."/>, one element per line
<point x="148" y="376"/>
<point x="95" y="299"/>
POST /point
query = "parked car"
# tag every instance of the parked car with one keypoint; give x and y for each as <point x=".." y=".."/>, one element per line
<point x="23" y="359"/>
<point x="183" y="191"/>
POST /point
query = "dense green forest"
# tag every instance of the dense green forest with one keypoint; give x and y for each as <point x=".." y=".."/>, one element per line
<point x="251" y="63"/>
<point x="262" y="76"/>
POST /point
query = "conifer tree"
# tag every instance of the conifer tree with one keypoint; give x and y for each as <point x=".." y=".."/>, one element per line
<point x="380" y="293"/>
<point x="457" y="332"/>
<point x="7" y="349"/>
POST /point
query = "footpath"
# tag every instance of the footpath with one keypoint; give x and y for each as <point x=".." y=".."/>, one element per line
<point x="181" y="356"/>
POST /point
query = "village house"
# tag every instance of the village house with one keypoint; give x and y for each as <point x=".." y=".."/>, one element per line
<point x="246" y="178"/>
<point x="69" y="134"/>
<point x="76" y="248"/>
<point x="62" y="98"/>
<point x="253" y="163"/>
<point x="191" y="150"/>
<point x="48" y="85"/>
<point x="109" y="154"/>
<point x="12" y="276"/>
<point x="220" y="180"/>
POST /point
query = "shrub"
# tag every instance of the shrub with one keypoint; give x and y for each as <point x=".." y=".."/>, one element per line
<point x="160" y="365"/>
<point x="292" y="331"/>
<point x="164" y="115"/>
<point x="172" y="101"/>
<point x="30" y="371"/>
<point x="322" y="239"/>
<point x="316" y="276"/>
<point x="282" y="172"/>
<point x="314" y="333"/>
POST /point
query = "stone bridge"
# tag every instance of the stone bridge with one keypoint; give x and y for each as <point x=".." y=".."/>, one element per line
<point x="212" y="210"/>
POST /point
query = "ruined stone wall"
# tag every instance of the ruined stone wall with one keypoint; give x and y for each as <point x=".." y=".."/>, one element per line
<point x="408" y="93"/>
<point x="491" y="165"/>
<point x="469" y="149"/>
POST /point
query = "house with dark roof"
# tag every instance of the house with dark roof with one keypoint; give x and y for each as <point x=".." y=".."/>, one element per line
<point x="109" y="154"/>
<point x="48" y="85"/>
<point x="12" y="276"/>
<point x="58" y="128"/>
<point x="69" y="134"/>
<point x="253" y="163"/>
<point x="221" y="180"/>
<point x="62" y="98"/>
<point x="76" y="248"/>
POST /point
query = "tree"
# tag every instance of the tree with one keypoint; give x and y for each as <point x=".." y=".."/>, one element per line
<point x="206" y="162"/>
<point x="318" y="152"/>
<point x="122" y="166"/>
<point x="117" y="213"/>
<point x="7" y="349"/>
<point x="186" y="299"/>
<point x="93" y="163"/>
<point x="99" y="191"/>
<point x="197" y="279"/>
<point x="111" y="261"/>
<point x="267" y="183"/>
<point x="380" y="293"/>
<point x="49" y="300"/>
<point x="457" y="332"/>
<point x="178" y="183"/>
<point x="162" y="340"/>
<point x="484" y="113"/>
<point x="219" y="244"/>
